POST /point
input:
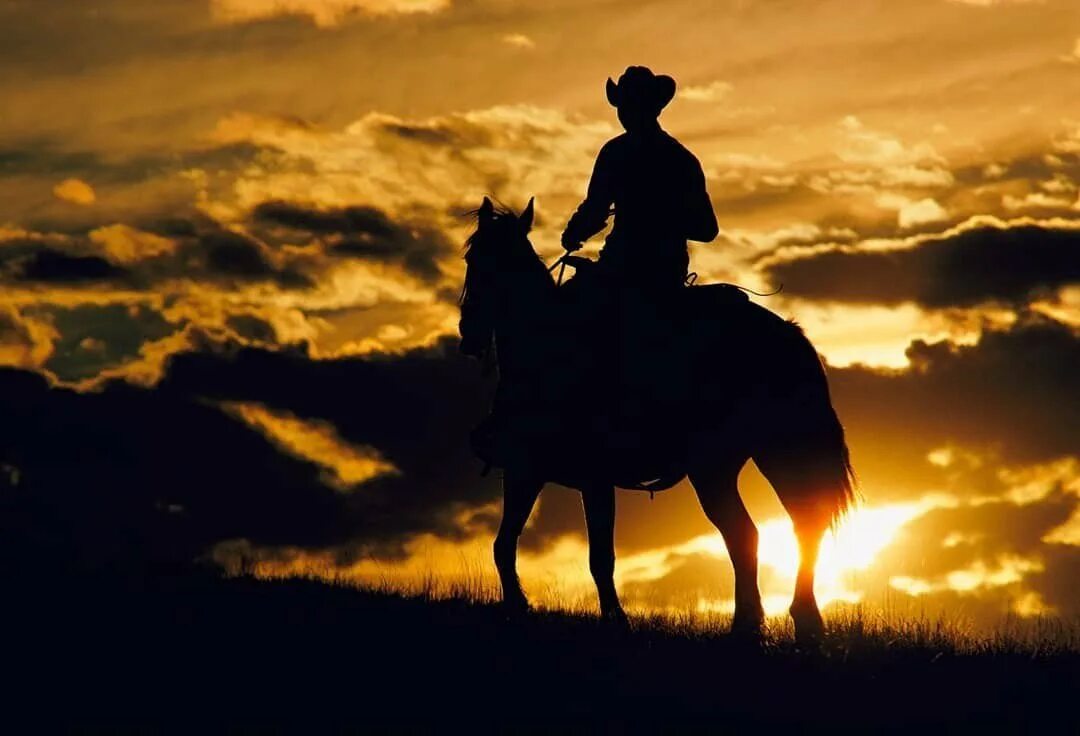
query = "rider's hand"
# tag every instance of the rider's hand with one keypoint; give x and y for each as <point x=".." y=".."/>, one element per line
<point x="570" y="244"/>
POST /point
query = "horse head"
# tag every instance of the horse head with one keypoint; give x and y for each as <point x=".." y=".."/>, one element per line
<point x="497" y="253"/>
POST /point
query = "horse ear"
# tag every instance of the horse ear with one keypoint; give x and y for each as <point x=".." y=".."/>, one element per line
<point x="526" y="217"/>
<point x="487" y="210"/>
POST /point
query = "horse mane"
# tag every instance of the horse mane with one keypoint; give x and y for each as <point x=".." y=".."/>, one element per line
<point x="500" y="214"/>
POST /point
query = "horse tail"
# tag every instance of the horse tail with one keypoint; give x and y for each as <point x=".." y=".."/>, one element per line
<point x="809" y="442"/>
<point x="840" y="492"/>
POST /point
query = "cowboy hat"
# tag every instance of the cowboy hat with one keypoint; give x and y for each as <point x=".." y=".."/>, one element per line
<point x="638" y="85"/>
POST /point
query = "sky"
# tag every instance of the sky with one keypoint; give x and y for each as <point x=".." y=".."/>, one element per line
<point x="230" y="255"/>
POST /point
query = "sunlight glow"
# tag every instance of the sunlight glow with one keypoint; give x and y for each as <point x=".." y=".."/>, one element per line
<point x="851" y="549"/>
<point x="558" y="576"/>
<point x="1006" y="570"/>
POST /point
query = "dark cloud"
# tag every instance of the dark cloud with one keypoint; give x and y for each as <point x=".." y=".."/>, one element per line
<point x="219" y="253"/>
<point x="249" y="327"/>
<point x="45" y="158"/>
<point x="56" y="266"/>
<point x="441" y="136"/>
<point x="132" y="476"/>
<point x="1015" y="391"/>
<point x="204" y="251"/>
<point x="1010" y="400"/>
<point x="232" y="254"/>
<point x="364" y="232"/>
<point x="1057" y="583"/>
<point x="415" y="409"/>
<point x="172" y="227"/>
<point x="975" y="265"/>
<point x="990" y="537"/>
<point x="128" y="480"/>
<point x="92" y="338"/>
<point x="986" y="532"/>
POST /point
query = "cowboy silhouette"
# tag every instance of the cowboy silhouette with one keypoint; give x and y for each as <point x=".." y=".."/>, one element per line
<point x="621" y="377"/>
<point x="655" y="186"/>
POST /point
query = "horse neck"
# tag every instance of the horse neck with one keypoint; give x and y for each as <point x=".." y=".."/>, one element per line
<point x="525" y="306"/>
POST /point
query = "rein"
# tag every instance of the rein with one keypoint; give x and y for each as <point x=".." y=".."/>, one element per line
<point x="561" y="263"/>
<point x="691" y="278"/>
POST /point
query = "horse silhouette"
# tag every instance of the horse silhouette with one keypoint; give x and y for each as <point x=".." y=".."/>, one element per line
<point x="750" y="385"/>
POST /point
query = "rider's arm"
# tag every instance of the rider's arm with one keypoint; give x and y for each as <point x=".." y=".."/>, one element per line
<point x="701" y="224"/>
<point x="591" y="217"/>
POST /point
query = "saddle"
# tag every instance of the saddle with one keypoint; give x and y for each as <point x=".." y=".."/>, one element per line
<point x="625" y="420"/>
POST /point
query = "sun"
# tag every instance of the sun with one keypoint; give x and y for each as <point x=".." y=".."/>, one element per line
<point x="851" y="548"/>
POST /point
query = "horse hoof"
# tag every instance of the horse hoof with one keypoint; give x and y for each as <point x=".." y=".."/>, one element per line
<point x="809" y="625"/>
<point x="615" y="617"/>
<point x="747" y="628"/>
<point x="516" y="607"/>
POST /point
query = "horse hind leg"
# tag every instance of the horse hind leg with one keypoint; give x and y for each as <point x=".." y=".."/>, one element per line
<point x="809" y="530"/>
<point x="520" y="491"/>
<point x="716" y="485"/>
<point x="808" y="494"/>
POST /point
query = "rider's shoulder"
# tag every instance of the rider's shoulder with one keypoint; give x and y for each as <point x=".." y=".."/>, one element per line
<point x="674" y="143"/>
<point x="683" y="155"/>
<point x="615" y="145"/>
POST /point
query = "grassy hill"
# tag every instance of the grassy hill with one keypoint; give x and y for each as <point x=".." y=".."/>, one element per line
<point x="303" y="654"/>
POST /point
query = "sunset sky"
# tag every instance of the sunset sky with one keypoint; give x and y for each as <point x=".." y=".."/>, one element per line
<point x="230" y="255"/>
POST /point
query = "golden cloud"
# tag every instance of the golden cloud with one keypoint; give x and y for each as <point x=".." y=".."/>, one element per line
<point x="346" y="466"/>
<point x="75" y="191"/>
<point x="401" y="165"/>
<point x="793" y="252"/>
<point x="148" y="367"/>
<point x="710" y="92"/>
<point x="871" y="159"/>
<point x="324" y="13"/>
<point x="428" y="170"/>
<point x="519" y="41"/>
<point x="1034" y="484"/>
<point x="911" y="213"/>
<point x="25" y="342"/>
<point x="124" y="244"/>
<point x="1006" y="570"/>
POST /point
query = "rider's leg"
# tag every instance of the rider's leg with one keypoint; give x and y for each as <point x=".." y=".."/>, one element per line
<point x="520" y="491"/>
<point x="715" y="479"/>
<point x="599" y="502"/>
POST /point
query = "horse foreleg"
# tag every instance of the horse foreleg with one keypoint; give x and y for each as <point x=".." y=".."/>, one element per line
<point x="599" y="503"/>
<point x="520" y="491"/>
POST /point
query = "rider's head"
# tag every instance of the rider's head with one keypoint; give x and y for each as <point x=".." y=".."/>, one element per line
<point x="639" y="96"/>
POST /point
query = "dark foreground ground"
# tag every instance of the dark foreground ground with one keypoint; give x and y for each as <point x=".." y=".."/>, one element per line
<point x="296" y="655"/>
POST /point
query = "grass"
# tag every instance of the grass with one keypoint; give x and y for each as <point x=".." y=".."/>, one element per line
<point x="848" y="625"/>
<point x="294" y="653"/>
